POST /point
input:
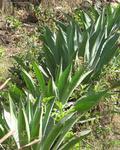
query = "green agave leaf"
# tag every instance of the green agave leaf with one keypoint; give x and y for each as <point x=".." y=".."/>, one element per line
<point x="78" y="78"/>
<point x="59" y="72"/>
<point x="22" y="127"/>
<point x="54" y="133"/>
<point x="67" y="126"/>
<point x="77" y="37"/>
<point x="114" y="20"/>
<point x="96" y="49"/>
<point x="87" y="50"/>
<point x="97" y="23"/>
<point x="109" y="12"/>
<point x="70" y="38"/>
<point x="29" y="82"/>
<point x="87" y="20"/>
<point x="61" y="25"/>
<point x="103" y="18"/>
<point x="61" y="47"/>
<point x="11" y="120"/>
<point x="84" y="44"/>
<point x="86" y="103"/>
<point x="2" y="131"/>
<point x="108" y="50"/>
<point x="40" y="78"/>
<point x="16" y="93"/>
<point x="64" y="79"/>
<point x="50" y="60"/>
<point x="71" y="143"/>
<point x="26" y="124"/>
<point x="2" y="126"/>
<point x="52" y="91"/>
<point x="95" y="40"/>
<point x="47" y="116"/>
<point x="36" y="123"/>
<point x="41" y="124"/>
<point x="50" y="125"/>
<point x="48" y="38"/>
<point x="29" y="109"/>
<point x="48" y="142"/>
<point x="49" y="89"/>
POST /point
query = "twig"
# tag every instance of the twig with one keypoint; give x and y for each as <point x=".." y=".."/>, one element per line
<point x="2" y="147"/>
<point x="30" y="144"/>
<point x="10" y="133"/>
<point x="4" y="84"/>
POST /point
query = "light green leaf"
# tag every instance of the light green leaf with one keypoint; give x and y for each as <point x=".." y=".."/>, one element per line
<point x="40" y="78"/>
<point x="29" y="82"/>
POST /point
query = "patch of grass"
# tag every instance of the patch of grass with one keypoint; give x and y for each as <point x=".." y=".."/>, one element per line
<point x="13" y="22"/>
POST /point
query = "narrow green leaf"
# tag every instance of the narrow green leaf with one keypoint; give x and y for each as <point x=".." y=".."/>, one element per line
<point x="52" y="91"/>
<point x="22" y="127"/>
<point x="29" y="82"/>
<point x="78" y="78"/>
<point x="71" y="143"/>
<point x="26" y="124"/>
<point x="40" y="78"/>
<point x="36" y="123"/>
<point x="87" y="102"/>
<point x="67" y="126"/>
<point x="54" y="133"/>
<point x="64" y="78"/>
<point x="48" y="142"/>
<point x="11" y="120"/>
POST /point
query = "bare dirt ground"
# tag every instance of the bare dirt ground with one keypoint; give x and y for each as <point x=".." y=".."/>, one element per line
<point x="7" y="39"/>
<point x="12" y="42"/>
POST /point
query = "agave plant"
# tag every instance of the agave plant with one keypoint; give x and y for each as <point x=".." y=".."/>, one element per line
<point x="49" y="87"/>
<point x="101" y="38"/>
<point x="60" y="46"/>
<point x="33" y="122"/>
<point x="97" y="43"/>
<point x="91" y="45"/>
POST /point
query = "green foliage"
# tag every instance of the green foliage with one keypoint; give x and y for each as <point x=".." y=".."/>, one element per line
<point x="33" y="118"/>
<point x="14" y="23"/>
<point x="39" y="112"/>
<point x="96" y="43"/>
<point x="91" y="46"/>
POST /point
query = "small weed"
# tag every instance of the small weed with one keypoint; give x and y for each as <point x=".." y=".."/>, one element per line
<point x="13" y="22"/>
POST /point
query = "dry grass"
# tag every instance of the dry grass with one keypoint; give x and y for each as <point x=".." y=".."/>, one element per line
<point x="66" y="5"/>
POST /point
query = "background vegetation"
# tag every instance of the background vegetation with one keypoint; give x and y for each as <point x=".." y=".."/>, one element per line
<point x="57" y="63"/>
